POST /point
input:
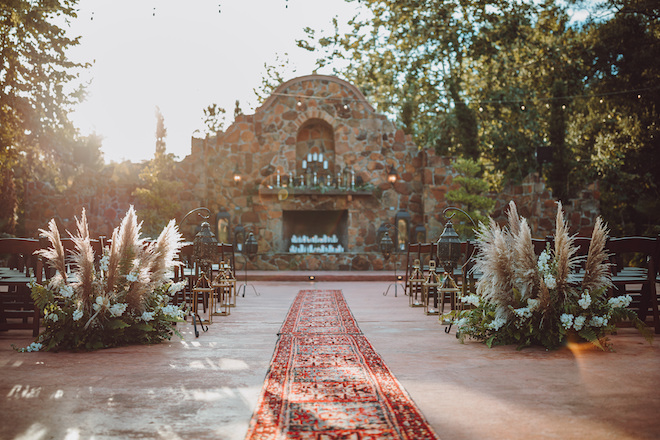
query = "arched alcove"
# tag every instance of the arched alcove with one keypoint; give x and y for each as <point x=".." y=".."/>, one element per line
<point x="315" y="140"/>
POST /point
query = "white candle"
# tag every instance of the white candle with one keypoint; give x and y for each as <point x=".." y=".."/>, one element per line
<point x="309" y="157"/>
<point x="320" y="157"/>
<point x="315" y="156"/>
<point x="304" y="164"/>
<point x="325" y="164"/>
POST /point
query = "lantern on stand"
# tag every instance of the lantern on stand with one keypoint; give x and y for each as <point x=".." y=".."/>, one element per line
<point x="224" y="295"/>
<point x="250" y="251"/>
<point x="386" y="246"/>
<point x="448" y="254"/>
<point x="415" y="285"/>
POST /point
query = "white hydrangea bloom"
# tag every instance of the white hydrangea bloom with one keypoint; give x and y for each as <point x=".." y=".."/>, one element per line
<point x="100" y="303"/>
<point x="550" y="281"/>
<point x="523" y="312"/>
<point x="118" y="309"/>
<point x="52" y="317"/>
<point x="105" y="261"/>
<point x="77" y="314"/>
<point x="578" y="323"/>
<point x="620" y="301"/>
<point x="66" y="291"/>
<point x="176" y="287"/>
<point x="533" y="304"/>
<point x="148" y="316"/>
<point x="131" y="277"/>
<point x="461" y="323"/>
<point x="35" y="346"/>
<point x="543" y="261"/>
<point x="496" y="323"/>
<point x="566" y="320"/>
<point x="585" y="300"/>
<point x="471" y="299"/>
<point x="173" y="311"/>
<point x="598" y="321"/>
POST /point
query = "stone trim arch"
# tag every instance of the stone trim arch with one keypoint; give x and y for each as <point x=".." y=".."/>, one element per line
<point x="279" y="91"/>
<point x="315" y="113"/>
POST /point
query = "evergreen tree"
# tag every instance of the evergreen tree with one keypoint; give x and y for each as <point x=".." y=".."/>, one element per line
<point x="470" y="196"/>
<point x="155" y="201"/>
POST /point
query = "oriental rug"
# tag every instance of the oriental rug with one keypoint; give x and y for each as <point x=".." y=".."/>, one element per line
<point x="327" y="382"/>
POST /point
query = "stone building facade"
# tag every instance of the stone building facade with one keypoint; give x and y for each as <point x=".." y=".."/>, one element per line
<point x="313" y="161"/>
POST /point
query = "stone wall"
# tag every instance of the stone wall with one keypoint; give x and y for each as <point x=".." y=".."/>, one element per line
<point x="311" y="114"/>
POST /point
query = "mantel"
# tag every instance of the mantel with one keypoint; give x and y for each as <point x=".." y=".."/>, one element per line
<point x="332" y="192"/>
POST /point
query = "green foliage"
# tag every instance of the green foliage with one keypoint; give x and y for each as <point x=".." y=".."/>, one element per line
<point x="470" y="196"/>
<point x="214" y="119"/>
<point x="273" y="76"/>
<point x="37" y="139"/>
<point x="494" y="80"/>
<point x="154" y="198"/>
<point x="617" y="130"/>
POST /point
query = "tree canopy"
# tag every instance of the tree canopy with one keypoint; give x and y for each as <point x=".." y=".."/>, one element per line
<point x="36" y="96"/>
<point x="494" y="81"/>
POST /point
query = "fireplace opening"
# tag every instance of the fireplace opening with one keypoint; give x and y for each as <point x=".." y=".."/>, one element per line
<point x="315" y="231"/>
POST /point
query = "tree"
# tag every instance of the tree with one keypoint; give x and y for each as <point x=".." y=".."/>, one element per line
<point x="154" y="200"/>
<point x="273" y="76"/>
<point x="468" y="78"/>
<point x="214" y="119"/>
<point x="161" y="133"/>
<point x="36" y="137"/>
<point x="617" y="129"/>
<point x="470" y="195"/>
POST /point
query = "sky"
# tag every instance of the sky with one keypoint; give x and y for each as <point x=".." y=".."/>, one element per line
<point x="182" y="56"/>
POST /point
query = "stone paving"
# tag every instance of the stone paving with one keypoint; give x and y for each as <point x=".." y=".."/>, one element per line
<point x="207" y="388"/>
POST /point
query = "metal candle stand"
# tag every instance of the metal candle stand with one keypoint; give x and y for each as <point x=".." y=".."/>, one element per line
<point x="386" y="247"/>
<point x="249" y="251"/>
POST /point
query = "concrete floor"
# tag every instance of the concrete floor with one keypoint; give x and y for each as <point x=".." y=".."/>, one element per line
<point x="207" y="388"/>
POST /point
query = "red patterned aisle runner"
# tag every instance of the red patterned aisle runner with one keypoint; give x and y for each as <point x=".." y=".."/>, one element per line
<point x="326" y="382"/>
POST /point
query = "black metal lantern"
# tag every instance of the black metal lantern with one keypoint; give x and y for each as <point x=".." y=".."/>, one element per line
<point x="449" y="248"/>
<point x="382" y="229"/>
<point x="402" y="226"/>
<point x="251" y="246"/>
<point x="239" y="237"/>
<point x="386" y="245"/>
<point x="205" y="247"/>
<point x="418" y="234"/>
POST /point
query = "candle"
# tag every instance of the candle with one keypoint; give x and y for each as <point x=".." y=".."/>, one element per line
<point x="325" y="164"/>
<point x="309" y="157"/>
<point x="320" y="157"/>
<point x="304" y="164"/>
<point x="315" y="156"/>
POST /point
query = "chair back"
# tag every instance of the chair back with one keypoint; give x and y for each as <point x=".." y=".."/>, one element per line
<point x="18" y="254"/>
<point x="626" y="249"/>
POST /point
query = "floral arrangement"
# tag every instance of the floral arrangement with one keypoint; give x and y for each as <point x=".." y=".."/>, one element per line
<point x="528" y="300"/>
<point x="123" y="301"/>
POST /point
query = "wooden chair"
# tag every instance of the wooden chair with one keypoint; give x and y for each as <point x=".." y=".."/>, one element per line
<point x="17" y="309"/>
<point x="638" y="282"/>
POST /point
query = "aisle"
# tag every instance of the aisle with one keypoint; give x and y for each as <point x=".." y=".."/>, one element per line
<point x="327" y="381"/>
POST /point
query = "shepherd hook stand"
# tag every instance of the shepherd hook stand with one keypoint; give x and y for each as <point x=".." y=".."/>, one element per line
<point x="245" y="283"/>
<point x="395" y="283"/>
